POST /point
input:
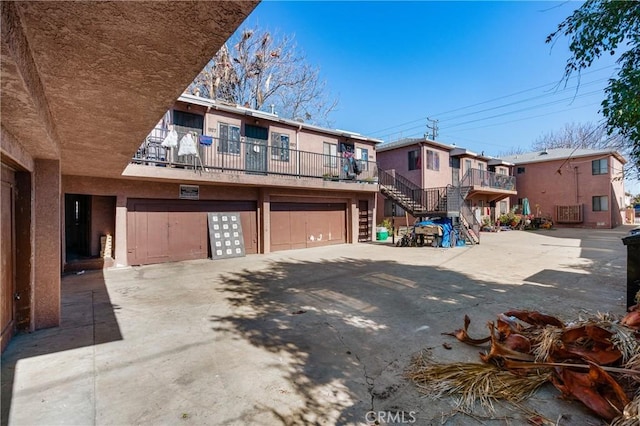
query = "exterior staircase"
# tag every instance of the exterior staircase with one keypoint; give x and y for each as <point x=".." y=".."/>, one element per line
<point x="443" y="201"/>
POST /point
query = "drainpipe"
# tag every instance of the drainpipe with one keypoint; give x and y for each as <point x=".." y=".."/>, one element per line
<point x="298" y="149"/>
<point x="575" y="171"/>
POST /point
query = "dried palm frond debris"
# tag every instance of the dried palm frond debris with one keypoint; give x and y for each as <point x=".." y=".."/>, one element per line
<point x="595" y="361"/>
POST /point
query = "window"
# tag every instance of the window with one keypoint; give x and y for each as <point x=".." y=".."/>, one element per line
<point x="600" y="167"/>
<point x="520" y="170"/>
<point x="433" y="160"/>
<point x="467" y="165"/>
<point x="502" y="171"/>
<point x="481" y="167"/>
<point x="362" y="155"/>
<point x="600" y="203"/>
<point x="414" y="159"/>
<point x="330" y="151"/>
<point x="503" y="207"/>
<point x="229" y="139"/>
<point x="279" y="146"/>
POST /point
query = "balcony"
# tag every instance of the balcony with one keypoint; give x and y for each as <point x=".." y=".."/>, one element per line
<point x="250" y="161"/>
<point x="482" y="181"/>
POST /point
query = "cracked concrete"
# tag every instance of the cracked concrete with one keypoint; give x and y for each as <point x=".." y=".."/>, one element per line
<point x="309" y="337"/>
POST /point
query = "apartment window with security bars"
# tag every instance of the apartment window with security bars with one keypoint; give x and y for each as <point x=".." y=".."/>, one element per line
<point x="600" y="203"/>
<point x="600" y="167"/>
<point x="229" y="139"/>
<point x="279" y="146"/>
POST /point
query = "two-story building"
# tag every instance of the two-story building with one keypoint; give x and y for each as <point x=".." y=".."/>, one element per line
<point x="573" y="187"/>
<point x="292" y="185"/>
<point x="426" y="178"/>
<point x="83" y="82"/>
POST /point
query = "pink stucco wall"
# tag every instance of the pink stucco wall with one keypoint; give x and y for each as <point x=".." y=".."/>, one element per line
<point x="551" y="183"/>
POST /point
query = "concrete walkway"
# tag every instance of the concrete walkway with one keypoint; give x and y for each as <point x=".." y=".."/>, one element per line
<point x="319" y="336"/>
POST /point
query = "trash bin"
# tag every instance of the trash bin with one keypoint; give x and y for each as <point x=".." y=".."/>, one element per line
<point x="632" y="242"/>
<point x="382" y="234"/>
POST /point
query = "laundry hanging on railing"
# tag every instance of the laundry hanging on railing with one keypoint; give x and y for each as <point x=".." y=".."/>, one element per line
<point x="187" y="145"/>
<point x="171" y="141"/>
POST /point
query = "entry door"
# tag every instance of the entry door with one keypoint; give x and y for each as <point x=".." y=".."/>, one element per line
<point x="256" y="148"/>
<point x="7" y="250"/>
<point x="77" y="211"/>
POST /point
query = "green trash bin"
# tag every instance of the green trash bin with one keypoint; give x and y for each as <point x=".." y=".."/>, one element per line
<point x="382" y="234"/>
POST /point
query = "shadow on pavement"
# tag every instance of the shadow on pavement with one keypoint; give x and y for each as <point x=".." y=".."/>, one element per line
<point x="87" y="318"/>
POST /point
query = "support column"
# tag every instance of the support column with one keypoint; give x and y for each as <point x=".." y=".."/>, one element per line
<point x="47" y="218"/>
<point x="352" y="221"/>
<point x="121" y="232"/>
<point x="264" y="219"/>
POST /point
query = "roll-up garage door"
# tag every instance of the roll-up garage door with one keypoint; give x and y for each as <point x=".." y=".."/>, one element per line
<point x="304" y="225"/>
<point x="172" y="230"/>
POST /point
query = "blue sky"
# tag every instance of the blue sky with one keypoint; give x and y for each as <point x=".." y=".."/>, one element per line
<point x="481" y="68"/>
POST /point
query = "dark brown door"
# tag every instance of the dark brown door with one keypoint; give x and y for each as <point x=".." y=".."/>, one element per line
<point x="77" y="212"/>
<point x="7" y="250"/>
<point x="363" y="221"/>
<point x="304" y="225"/>
<point x="168" y="231"/>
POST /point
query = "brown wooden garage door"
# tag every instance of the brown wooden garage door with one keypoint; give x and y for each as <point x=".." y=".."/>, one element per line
<point x="7" y="249"/>
<point x="303" y="225"/>
<point x="169" y="230"/>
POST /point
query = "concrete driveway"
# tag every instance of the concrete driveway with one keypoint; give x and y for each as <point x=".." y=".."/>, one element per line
<point x="319" y="336"/>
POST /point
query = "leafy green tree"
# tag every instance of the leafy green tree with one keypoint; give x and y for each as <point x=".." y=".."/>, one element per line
<point x="601" y="27"/>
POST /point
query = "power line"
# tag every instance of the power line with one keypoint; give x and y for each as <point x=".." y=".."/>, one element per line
<point x="554" y="84"/>
<point x="532" y="107"/>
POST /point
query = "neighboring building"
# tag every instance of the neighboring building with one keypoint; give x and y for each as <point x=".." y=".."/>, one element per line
<point x="573" y="187"/>
<point x="428" y="178"/>
<point x="294" y="185"/>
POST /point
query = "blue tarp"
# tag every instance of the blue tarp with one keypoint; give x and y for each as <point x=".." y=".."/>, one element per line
<point x="445" y="224"/>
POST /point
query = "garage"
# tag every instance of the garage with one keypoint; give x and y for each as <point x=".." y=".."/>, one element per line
<point x="7" y="261"/>
<point x="304" y="225"/>
<point x="161" y="231"/>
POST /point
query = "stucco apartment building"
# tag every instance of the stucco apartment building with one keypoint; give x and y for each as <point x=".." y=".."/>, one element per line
<point x="573" y="187"/>
<point x="82" y="85"/>
<point x="481" y="185"/>
<point x="292" y="185"/>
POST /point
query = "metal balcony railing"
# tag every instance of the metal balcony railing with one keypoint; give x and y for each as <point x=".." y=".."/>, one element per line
<point x="483" y="178"/>
<point x="254" y="156"/>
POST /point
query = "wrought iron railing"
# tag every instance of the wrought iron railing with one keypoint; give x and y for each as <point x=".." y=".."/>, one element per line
<point x="253" y="156"/>
<point x="483" y="178"/>
<point x="422" y="200"/>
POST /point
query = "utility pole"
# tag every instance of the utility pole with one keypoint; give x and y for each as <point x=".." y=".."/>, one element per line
<point x="433" y="128"/>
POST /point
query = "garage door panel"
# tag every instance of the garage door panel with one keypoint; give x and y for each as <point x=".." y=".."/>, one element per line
<point x="164" y="230"/>
<point x="304" y="225"/>
<point x="156" y="244"/>
<point x="187" y="235"/>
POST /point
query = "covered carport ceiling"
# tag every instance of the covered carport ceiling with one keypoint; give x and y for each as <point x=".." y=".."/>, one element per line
<point x="84" y="82"/>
